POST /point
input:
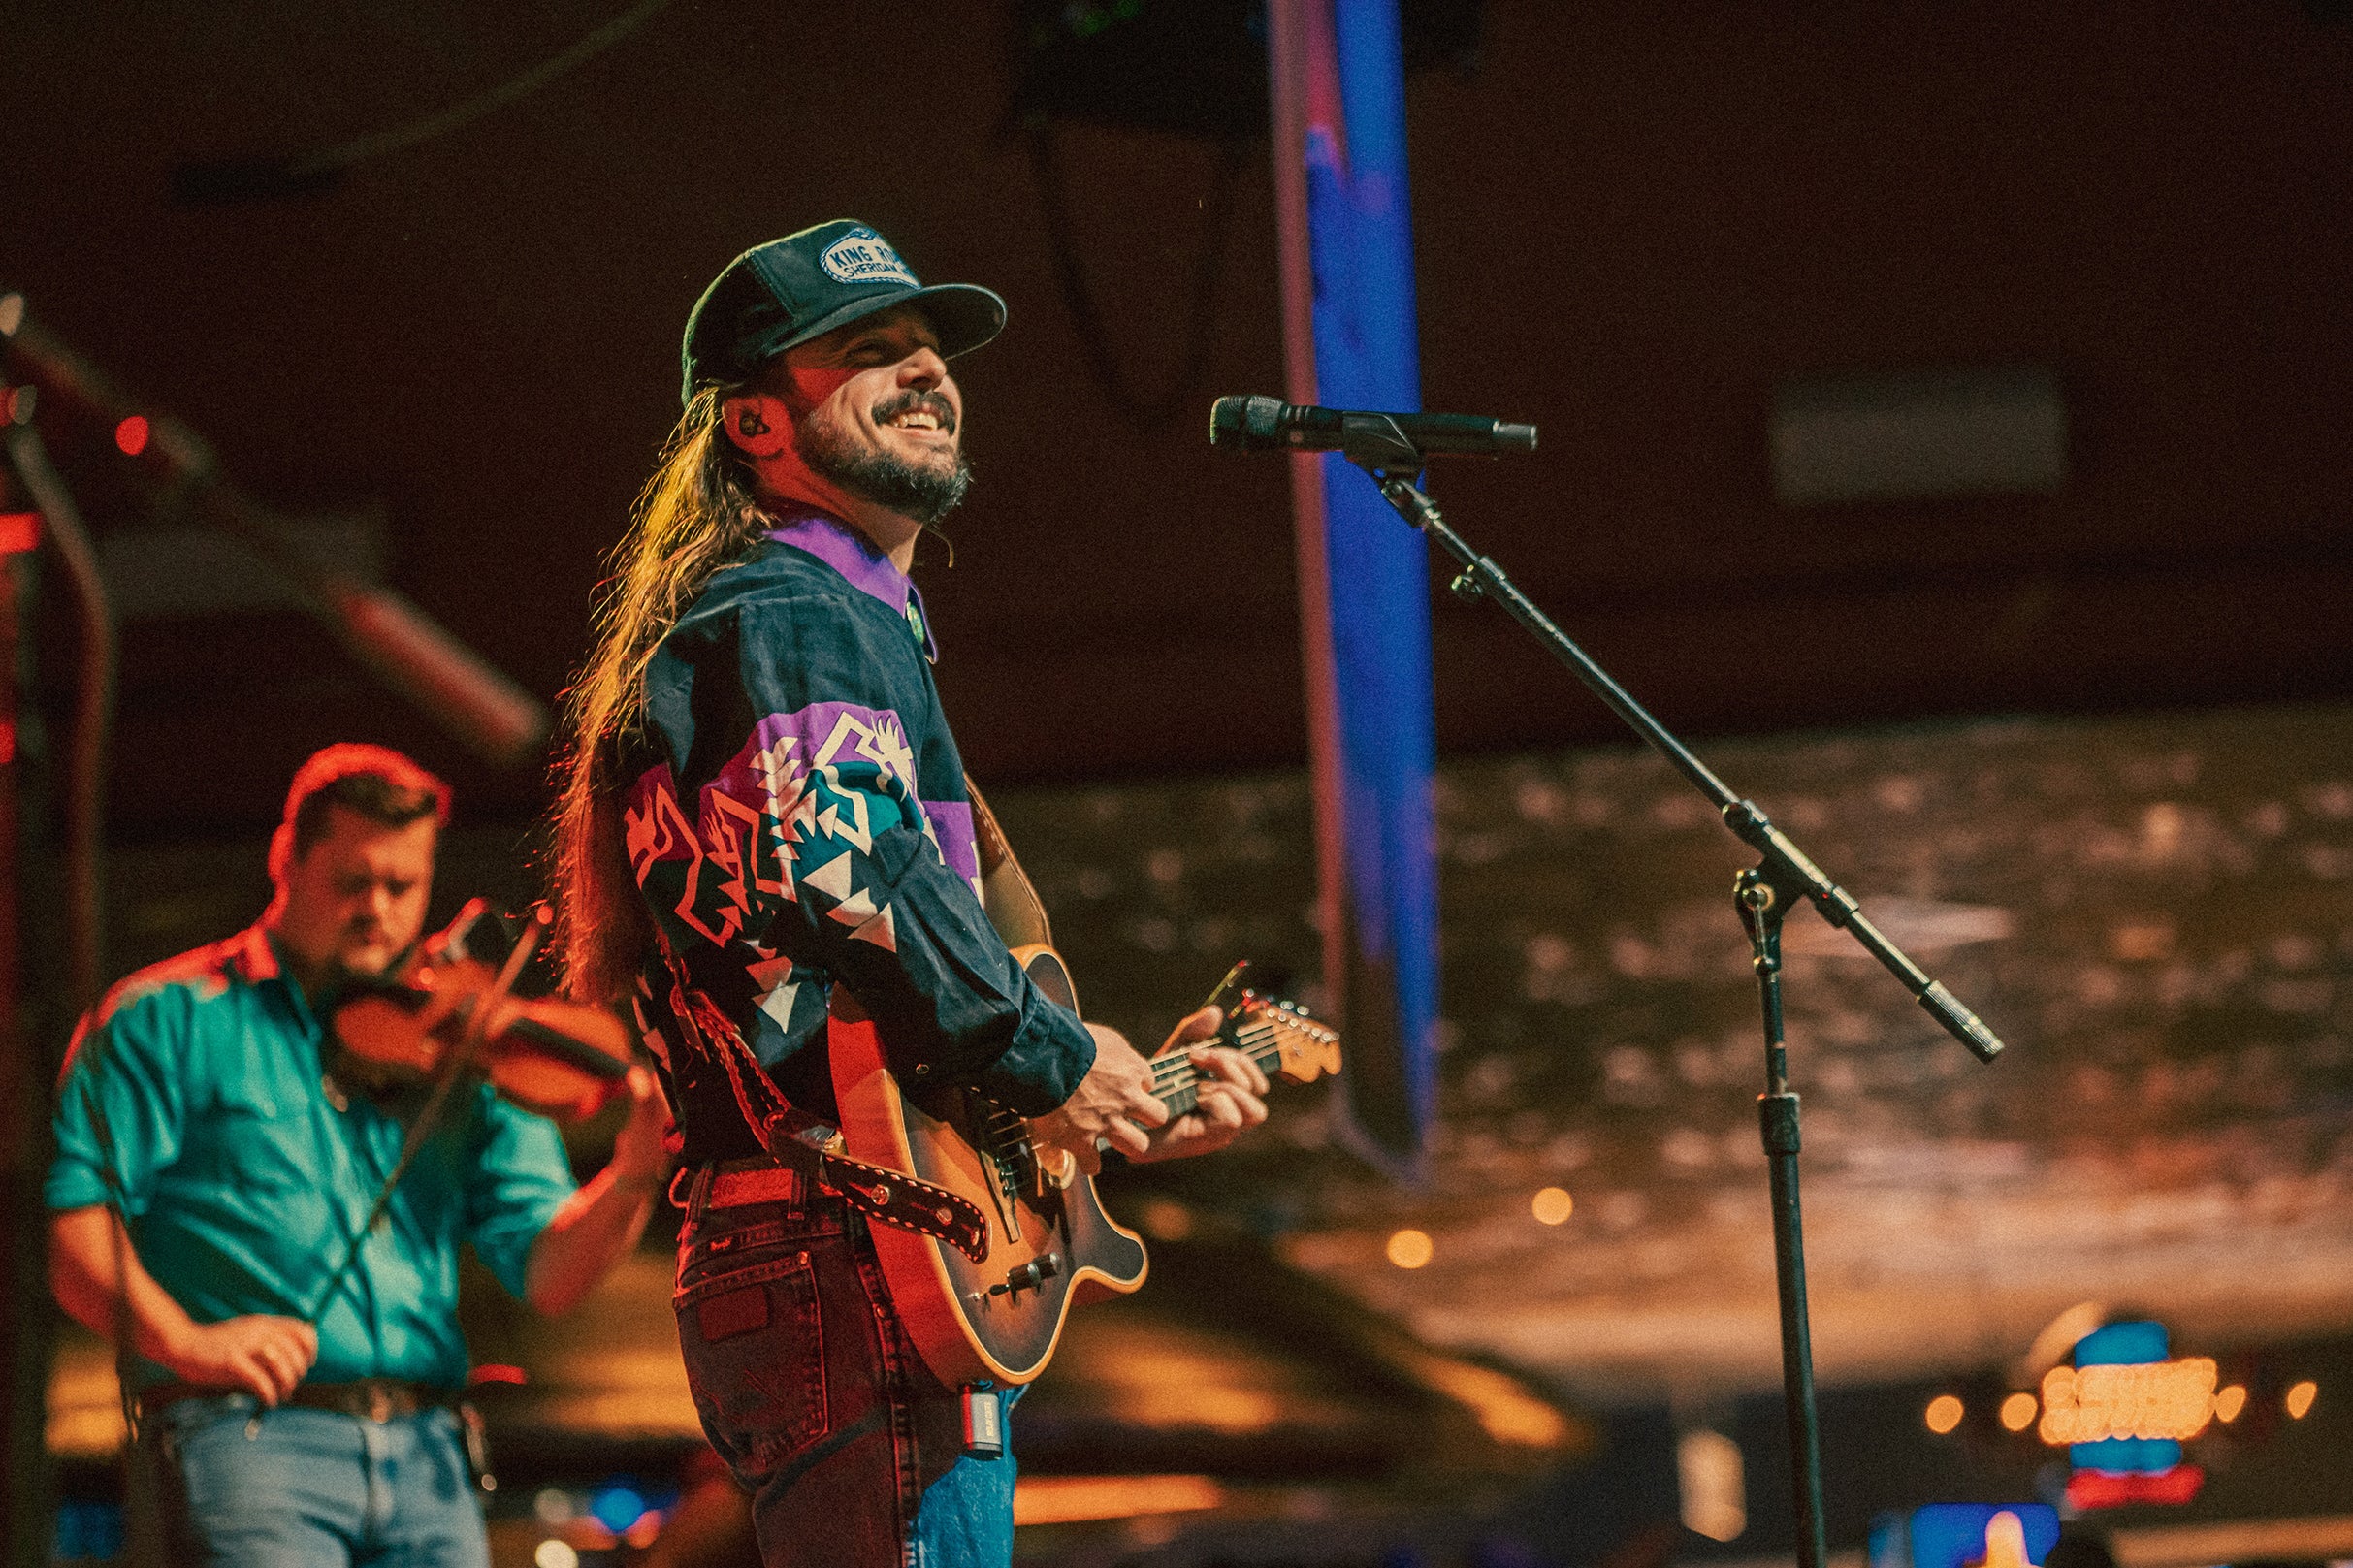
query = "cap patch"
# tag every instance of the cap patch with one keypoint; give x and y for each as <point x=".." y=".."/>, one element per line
<point x="863" y="256"/>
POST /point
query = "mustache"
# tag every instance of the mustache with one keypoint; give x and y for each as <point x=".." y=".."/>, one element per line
<point x="908" y="402"/>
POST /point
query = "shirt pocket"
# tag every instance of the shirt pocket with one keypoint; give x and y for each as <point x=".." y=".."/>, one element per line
<point x="752" y="1338"/>
<point x="261" y="1135"/>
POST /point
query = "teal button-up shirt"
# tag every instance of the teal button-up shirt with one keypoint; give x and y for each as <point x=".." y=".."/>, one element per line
<point x="195" y="1096"/>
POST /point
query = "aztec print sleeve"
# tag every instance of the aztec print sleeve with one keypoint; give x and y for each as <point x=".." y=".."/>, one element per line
<point x="802" y="837"/>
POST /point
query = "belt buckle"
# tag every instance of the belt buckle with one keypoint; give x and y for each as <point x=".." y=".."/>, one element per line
<point x="379" y="1402"/>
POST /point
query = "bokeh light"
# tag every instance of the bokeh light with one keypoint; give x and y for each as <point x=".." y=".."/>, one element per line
<point x="2018" y="1412"/>
<point x="555" y="1554"/>
<point x="2300" y="1397"/>
<point x="1944" y="1414"/>
<point x="617" y="1508"/>
<point x="1410" y="1249"/>
<point x="1553" y="1205"/>
<point x="2228" y="1402"/>
<point x="132" y="436"/>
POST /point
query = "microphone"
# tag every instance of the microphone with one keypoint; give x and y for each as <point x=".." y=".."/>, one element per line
<point x="1271" y="425"/>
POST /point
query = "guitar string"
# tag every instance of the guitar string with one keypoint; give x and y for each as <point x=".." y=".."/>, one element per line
<point x="1177" y="1073"/>
<point x="1247" y="1036"/>
<point x="1171" y="1075"/>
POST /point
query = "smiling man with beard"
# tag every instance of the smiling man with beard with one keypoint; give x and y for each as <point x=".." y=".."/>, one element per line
<point x="763" y="803"/>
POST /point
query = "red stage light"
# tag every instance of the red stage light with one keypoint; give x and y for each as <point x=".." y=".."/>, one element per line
<point x="132" y="436"/>
<point x="2100" y="1489"/>
<point x="19" y="531"/>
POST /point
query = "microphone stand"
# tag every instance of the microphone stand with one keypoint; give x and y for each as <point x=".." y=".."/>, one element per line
<point x="1762" y="895"/>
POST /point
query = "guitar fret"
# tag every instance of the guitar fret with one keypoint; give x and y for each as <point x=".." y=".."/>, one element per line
<point x="1177" y="1078"/>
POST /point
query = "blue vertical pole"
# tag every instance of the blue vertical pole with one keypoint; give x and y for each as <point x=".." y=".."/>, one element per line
<point x="1352" y="139"/>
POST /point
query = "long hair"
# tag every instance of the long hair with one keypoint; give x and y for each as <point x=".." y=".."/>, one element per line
<point x="696" y="515"/>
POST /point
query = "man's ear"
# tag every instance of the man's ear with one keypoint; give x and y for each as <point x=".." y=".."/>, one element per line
<point x="281" y="852"/>
<point x="757" y="423"/>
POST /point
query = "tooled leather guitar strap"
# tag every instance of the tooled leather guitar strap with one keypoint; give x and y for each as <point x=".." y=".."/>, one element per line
<point x="892" y="1196"/>
<point x="1014" y="907"/>
<point x="1012" y="903"/>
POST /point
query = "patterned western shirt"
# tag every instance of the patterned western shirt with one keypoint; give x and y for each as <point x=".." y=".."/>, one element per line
<point x="796" y="818"/>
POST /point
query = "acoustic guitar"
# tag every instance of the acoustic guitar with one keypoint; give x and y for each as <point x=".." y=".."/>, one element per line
<point x="986" y="1302"/>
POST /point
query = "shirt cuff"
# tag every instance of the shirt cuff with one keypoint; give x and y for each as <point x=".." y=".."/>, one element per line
<point x="1050" y="1052"/>
<point x="506" y="1245"/>
<point x="73" y="1185"/>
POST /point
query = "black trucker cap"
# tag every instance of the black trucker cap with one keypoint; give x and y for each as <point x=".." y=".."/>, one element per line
<point x="804" y="285"/>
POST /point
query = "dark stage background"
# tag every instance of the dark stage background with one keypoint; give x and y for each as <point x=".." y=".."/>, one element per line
<point x="1633" y="223"/>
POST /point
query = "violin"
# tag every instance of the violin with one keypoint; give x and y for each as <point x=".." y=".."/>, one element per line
<point x="449" y="1011"/>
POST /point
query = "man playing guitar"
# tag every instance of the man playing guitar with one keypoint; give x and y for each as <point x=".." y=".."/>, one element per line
<point x="764" y="821"/>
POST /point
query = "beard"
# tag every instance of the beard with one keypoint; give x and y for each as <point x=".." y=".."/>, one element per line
<point x="922" y="492"/>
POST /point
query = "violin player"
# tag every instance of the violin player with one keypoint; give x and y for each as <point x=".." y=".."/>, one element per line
<point x="199" y="1106"/>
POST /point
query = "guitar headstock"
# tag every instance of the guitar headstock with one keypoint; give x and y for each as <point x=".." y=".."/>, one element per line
<point x="1303" y="1047"/>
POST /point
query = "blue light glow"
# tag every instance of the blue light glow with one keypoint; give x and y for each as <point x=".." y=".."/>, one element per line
<point x="617" y="1508"/>
<point x="1953" y="1535"/>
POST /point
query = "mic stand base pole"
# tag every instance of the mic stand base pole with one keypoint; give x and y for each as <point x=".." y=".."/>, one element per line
<point x="1763" y="895"/>
<point x="1761" y="905"/>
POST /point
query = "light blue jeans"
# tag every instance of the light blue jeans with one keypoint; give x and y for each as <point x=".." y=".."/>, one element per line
<point x="315" y="1488"/>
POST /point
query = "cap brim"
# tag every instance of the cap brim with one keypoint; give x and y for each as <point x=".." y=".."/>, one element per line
<point x="965" y="315"/>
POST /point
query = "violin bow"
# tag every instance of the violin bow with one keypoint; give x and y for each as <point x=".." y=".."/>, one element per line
<point x="461" y="1056"/>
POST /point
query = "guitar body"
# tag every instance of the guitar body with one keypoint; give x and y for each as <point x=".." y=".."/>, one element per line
<point x="1051" y="1245"/>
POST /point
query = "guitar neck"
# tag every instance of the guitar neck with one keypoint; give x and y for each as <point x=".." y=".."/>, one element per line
<point x="1178" y="1081"/>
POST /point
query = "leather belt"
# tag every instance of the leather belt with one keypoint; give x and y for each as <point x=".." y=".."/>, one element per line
<point x="733" y="1183"/>
<point x="375" y="1398"/>
<point x="802" y="1177"/>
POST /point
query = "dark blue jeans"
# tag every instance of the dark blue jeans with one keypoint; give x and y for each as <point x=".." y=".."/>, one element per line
<point x="852" y="1450"/>
<point x="314" y="1488"/>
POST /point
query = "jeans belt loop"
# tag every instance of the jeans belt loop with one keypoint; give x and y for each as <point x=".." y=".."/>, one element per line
<point x="698" y="1196"/>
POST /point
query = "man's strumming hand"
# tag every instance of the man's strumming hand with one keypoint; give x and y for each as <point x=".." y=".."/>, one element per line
<point x="263" y="1355"/>
<point x="1114" y="1103"/>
